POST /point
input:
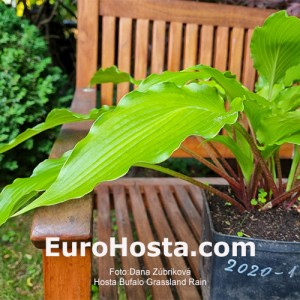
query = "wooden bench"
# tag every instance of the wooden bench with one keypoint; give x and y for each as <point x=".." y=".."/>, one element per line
<point x="139" y="36"/>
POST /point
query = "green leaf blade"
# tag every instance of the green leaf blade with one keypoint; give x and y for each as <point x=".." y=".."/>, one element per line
<point x="292" y="75"/>
<point x="112" y="75"/>
<point x="55" y="118"/>
<point x="275" y="46"/>
<point x="145" y="127"/>
<point x="241" y="151"/>
<point x="279" y="129"/>
<point x="17" y="194"/>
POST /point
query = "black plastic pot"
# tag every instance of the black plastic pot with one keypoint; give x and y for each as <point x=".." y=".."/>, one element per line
<point x="273" y="273"/>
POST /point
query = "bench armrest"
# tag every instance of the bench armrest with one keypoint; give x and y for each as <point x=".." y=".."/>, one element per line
<point x="71" y="221"/>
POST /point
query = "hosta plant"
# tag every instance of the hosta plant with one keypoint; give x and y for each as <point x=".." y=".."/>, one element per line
<point x="150" y="123"/>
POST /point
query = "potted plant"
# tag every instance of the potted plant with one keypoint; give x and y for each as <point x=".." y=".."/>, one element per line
<point x="151" y="122"/>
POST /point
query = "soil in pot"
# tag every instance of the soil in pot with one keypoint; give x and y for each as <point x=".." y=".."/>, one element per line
<point x="275" y="224"/>
<point x="272" y="273"/>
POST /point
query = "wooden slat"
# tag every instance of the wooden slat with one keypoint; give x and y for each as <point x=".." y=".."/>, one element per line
<point x="125" y="230"/>
<point x="206" y="45"/>
<point x="141" y="49"/>
<point x="163" y="230"/>
<point x="146" y="236"/>
<point x="186" y="12"/>
<point x="141" y="181"/>
<point x="221" y="53"/>
<point x="248" y="77"/>
<point x="108" y="56"/>
<point x="124" y="53"/>
<point x="63" y="277"/>
<point x="197" y="196"/>
<point x="104" y="233"/>
<point x="87" y="42"/>
<point x="182" y="232"/>
<point x="188" y="209"/>
<point x="236" y="51"/>
<point x="221" y="48"/>
<point x="158" y="46"/>
<point x="190" y="45"/>
<point x="174" y="46"/>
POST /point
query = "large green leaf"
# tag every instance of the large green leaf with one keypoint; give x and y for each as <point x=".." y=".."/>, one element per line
<point x="256" y="112"/>
<point x="21" y="191"/>
<point x="226" y="80"/>
<point x="292" y="180"/>
<point x="113" y="75"/>
<point x="280" y="129"/>
<point x="292" y="139"/>
<point x="180" y="78"/>
<point x="144" y="127"/>
<point x="287" y="100"/>
<point x="275" y="46"/>
<point x="232" y="87"/>
<point x="55" y="118"/>
<point x="292" y="75"/>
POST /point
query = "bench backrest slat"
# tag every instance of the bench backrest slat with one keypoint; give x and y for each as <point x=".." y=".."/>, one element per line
<point x="87" y="41"/>
<point x="141" y="48"/>
<point x="150" y="36"/>
<point x="184" y="11"/>
<point x="143" y="36"/>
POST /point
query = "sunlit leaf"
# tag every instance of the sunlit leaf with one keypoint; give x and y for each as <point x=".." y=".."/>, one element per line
<point x="287" y="100"/>
<point x="145" y="127"/>
<point x="16" y="195"/>
<point x="275" y="47"/>
<point x="241" y="151"/>
<point x="280" y="129"/>
<point x="112" y="74"/>
<point x="180" y="78"/>
<point x="292" y="75"/>
<point x="55" y="118"/>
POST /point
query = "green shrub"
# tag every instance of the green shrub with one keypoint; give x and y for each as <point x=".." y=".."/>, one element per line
<point x="29" y="88"/>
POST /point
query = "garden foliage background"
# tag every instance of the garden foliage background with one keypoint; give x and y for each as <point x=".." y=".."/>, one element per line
<point x="32" y="82"/>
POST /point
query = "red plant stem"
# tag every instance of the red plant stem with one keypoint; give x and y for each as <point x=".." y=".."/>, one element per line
<point x="208" y="146"/>
<point x="279" y="172"/>
<point x="223" y="160"/>
<point x="261" y="161"/>
<point x="294" y="199"/>
<point x="282" y="197"/>
<point x="253" y="187"/>
<point x="241" y="179"/>
<point x="203" y="186"/>
<point x="230" y="180"/>
<point x="243" y="192"/>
